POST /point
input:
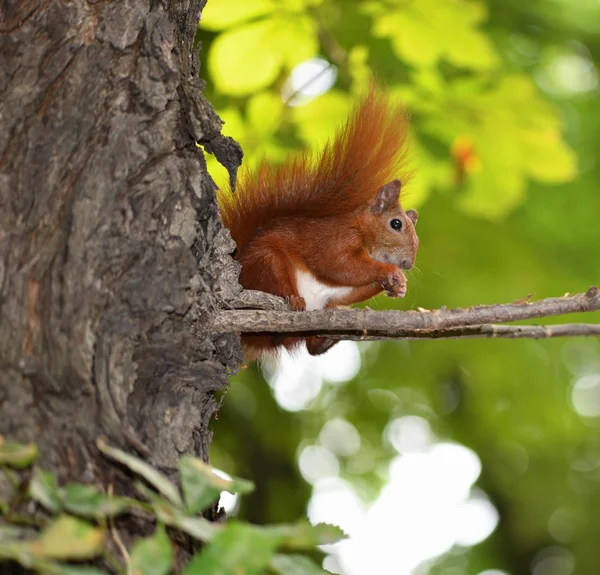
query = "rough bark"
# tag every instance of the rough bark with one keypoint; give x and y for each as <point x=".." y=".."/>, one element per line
<point x="111" y="251"/>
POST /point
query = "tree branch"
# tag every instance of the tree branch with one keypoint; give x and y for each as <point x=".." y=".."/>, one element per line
<point x="488" y="330"/>
<point x="476" y="321"/>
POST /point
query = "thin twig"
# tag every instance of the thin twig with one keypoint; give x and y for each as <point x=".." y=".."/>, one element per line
<point x="420" y="324"/>
<point x="117" y="538"/>
<point x="488" y="330"/>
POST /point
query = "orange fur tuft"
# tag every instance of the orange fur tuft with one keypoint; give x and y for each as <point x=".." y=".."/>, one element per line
<point x="368" y="152"/>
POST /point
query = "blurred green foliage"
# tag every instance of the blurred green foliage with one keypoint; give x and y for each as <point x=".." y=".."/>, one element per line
<point x="78" y="521"/>
<point x="504" y="101"/>
<point x="473" y="114"/>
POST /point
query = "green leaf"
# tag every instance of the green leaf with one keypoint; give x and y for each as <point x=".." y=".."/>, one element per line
<point x="151" y="475"/>
<point x="416" y="44"/>
<point x="202" y="486"/>
<point x="79" y="570"/>
<point x="222" y="14"/>
<point x="18" y="552"/>
<point x="152" y="555"/>
<point x="358" y="65"/>
<point x="165" y="512"/>
<point x="8" y="532"/>
<point x="317" y="121"/>
<point x="242" y="60"/>
<point x="264" y="112"/>
<point x="68" y="538"/>
<point x="295" y="565"/>
<point x="18" y="455"/>
<point x="238" y="549"/>
<point x="303" y="535"/>
<point x="500" y="183"/>
<point x="473" y="51"/>
<point x="424" y="32"/>
<point x="44" y="490"/>
<point x="549" y="159"/>
<point x="296" y="38"/>
<point x="88" y="501"/>
<point x="151" y="495"/>
<point x="514" y="135"/>
<point x="198" y="527"/>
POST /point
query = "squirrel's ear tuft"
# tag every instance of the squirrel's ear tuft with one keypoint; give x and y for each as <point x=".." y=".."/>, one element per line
<point x="387" y="198"/>
<point x="413" y="215"/>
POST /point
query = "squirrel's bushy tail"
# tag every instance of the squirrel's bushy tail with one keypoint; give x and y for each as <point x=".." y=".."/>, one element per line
<point x="367" y="152"/>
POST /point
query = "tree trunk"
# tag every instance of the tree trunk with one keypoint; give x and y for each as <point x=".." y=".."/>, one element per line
<point x="112" y="255"/>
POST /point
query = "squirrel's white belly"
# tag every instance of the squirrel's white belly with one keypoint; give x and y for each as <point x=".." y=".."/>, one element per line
<point x="317" y="294"/>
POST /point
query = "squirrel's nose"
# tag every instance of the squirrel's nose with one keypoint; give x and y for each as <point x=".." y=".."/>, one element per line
<point x="406" y="264"/>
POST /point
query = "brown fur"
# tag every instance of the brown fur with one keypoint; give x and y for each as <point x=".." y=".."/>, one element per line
<point x="329" y="216"/>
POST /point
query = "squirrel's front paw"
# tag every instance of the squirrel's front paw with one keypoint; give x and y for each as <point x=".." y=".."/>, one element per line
<point x="296" y="303"/>
<point x="395" y="283"/>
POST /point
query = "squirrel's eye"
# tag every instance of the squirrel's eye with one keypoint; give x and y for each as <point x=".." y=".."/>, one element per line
<point x="396" y="224"/>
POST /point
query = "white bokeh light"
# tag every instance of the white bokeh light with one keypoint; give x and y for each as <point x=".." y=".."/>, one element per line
<point x="341" y="363"/>
<point x="334" y="501"/>
<point x="568" y="74"/>
<point x="308" y="80"/>
<point x="586" y="395"/>
<point x="574" y="73"/>
<point x="581" y="357"/>
<point x="563" y="524"/>
<point x="553" y="561"/>
<point x="340" y="437"/>
<point x="426" y="508"/>
<point x="296" y="381"/>
<point x="230" y="502"/>
<point x="477" y="519"/>
<point x="428" y="505"/>
<point x="316" y="463"/>
<point x="409" y="434"/>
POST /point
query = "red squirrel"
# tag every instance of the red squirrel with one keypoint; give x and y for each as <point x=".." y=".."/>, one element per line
<point x="327" y="231"/>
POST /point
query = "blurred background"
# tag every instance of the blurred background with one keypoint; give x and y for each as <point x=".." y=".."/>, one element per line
<point x="441" y="457"/>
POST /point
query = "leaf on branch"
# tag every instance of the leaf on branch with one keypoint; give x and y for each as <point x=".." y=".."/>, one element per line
<point x="18" y="455"/>
<point x="295" y="565"/>
<point x="197" y="527"/>
<point x="78" y="570"/>
<point x="238" y="548"/>
<point x="17" y="551"/>
<point x="149" y="473"/>
<point x="76" y="498"/>
<point x="44" y="490"/>
<point x="202" y="486"/>
<point x="88" y="501"/>
<point x="223" y="14"/>
<point x="8" y="532"/>
<point x="167" y="513"/>
<point x="303" y="535"/>
<point x="152" y="555"/>
<point x="258" y="65"/>
<point x="68" y="538"/>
